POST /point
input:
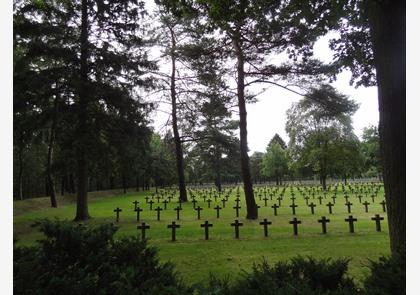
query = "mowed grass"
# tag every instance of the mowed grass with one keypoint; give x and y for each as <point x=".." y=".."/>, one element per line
<point x="222" y="255"/>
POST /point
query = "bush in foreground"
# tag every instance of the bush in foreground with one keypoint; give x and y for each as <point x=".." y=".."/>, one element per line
<point x="78" y="260"/>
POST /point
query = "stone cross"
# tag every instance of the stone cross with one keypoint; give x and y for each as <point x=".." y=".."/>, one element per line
<point x="208" y="202"/>
<point x="158" y="209"/>
<point x="348" y="204"/>
<point x="173" y="226"/>
<point x="293" y="206"/>
<point x="383" y="203"/>
<point x="265" y="201"/>
<point x="330" y="205"/>
<point x="237" y="200"/>
<point x="378" y="219"/>
<point x="237" y="210"/>
<point x="135" y="204"/>
<point x="312" y="205"/>
<point x="158" y="198"/>
<point x="198" y="209"/>
<point x="306" y="200"/>
<point x="143" y="228"/>
<point x="320" y="200"/>
<point x="293" y="199"/>
<point x="265" y="223"/>
<point x="117" y="211"/>
<point x="275" y="206"/>
<point x="224" y="202"/>
<point x="279" y="200"/>
<point x="194" y="202"/>
<point x="206" y="226"/>
<point x="138" y="210"/>
<point x="295" y="223"/>
<point x="165" y="203"/>
<point x="373" y="198"/>
<point x="366" y="204"/>
<point x="177" y="209"/>
<point x="236" y="224"/>
<point x="147" y="199"/>
<point x="347" y="198"/>
<point x="324" y="221"/>
<point x="360" y="198"/>
<point x="217" y="208"/>
<point x="333" y="198"/>
<point x="151" y="204"/>
<point x="351" y="221"/>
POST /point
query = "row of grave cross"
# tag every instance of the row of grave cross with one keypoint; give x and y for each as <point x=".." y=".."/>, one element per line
<point x="265" y="223"/>
<point x="311" y="205"/>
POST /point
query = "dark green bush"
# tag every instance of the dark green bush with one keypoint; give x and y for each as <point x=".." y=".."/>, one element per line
<point x="299" y="276"/>
<point x="78" y="260"/>
<point x="387" y="276"/>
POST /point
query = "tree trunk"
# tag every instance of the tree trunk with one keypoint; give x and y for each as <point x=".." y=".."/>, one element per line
<point x="63" y="184"/>
<point x="82" y="212"/>
<point x="72" y="188"/>
<point x="387" y="26"/>
<point x="277" y="179"/>
<point x="251" y="206"/>
<point x="218" y="177"/>
<point x="50" y="176"/>
<point x="20" y="176"/>
<point x="177" y="139"/>
<point x="137" y="183"/>
<point x="124" y="183"/>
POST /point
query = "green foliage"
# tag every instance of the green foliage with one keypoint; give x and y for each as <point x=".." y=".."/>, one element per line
<point x="387" y="276"/>
<point x="370" y="151"/>
<point x="274" y="163"/>
<point x="75" y="259"/>
<point x="299" y="276"/>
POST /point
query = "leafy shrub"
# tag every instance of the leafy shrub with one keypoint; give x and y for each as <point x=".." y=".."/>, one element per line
<point x="78" y="260"/>
<point x="299" y="276"/>
<point x="387" y="276"/>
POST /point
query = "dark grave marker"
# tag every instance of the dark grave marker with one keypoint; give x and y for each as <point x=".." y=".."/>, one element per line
<point x="373" y="198"/>
<point x="324" y="222"/>
<point x="312" y="205"/>
<point x="351" y="221"/>
<point x="177" y="209"/>
<point x="151" y="204"/>
<point x="158" y="209"/>
<point x="293" y="206"/>
<point x="279" y="200"/>
<point x="158" y="199"/>
<point x="295" y="223"/>
<point x="173" y="226"/>
<point x="265" y="201"/>
<point x="265" y="223"/>
<point x="237" y="210"/>
<point x="217" y="208"/>
<point x="206" y="226"/>
<point x="237" y="200"/>
<point x="333" y="198"/>
<point x="165" y="203"/>
<point x="135" y="204"/>
<point x="347" y="198"/>
<point x="366" y="204"/>
<point x="147" y="199"/>
<point x="348" y="204"/>
<point x="138" y="210"/>
<point x="143" y="228"/>
<point x="330" y="205"/>
<point x="224" y="202"/>
<point x="275" y="206"/>
<point x="378" y="219"/>
<point x="117" y="212"/>
<point x="306" y="200"/>
<point x="383" y="203"/>
<point x="320" y="200"/>
<point x="198" y="209"/>
<point x="236" y="224"/>
<point x="194" y="202"/>
<point x="360" y="198"/>
<point x="208" y="202"/>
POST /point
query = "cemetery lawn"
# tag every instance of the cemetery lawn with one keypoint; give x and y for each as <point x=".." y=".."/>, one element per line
<point x="222" y="255"/>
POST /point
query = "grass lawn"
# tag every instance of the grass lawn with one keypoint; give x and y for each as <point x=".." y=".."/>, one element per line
<point x="223" y="255"/>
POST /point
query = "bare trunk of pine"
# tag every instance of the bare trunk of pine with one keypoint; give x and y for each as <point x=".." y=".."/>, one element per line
<point x="50" y="176"/>
<point x="251" y="207"/>
<point x="82" y="212"/>
<point x="20" y="176"/>
<point x="177" y="139"/>
<point x="387" y="24"/>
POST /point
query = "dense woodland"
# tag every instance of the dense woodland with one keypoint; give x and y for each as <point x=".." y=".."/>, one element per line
<point x="87" y="80"/>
